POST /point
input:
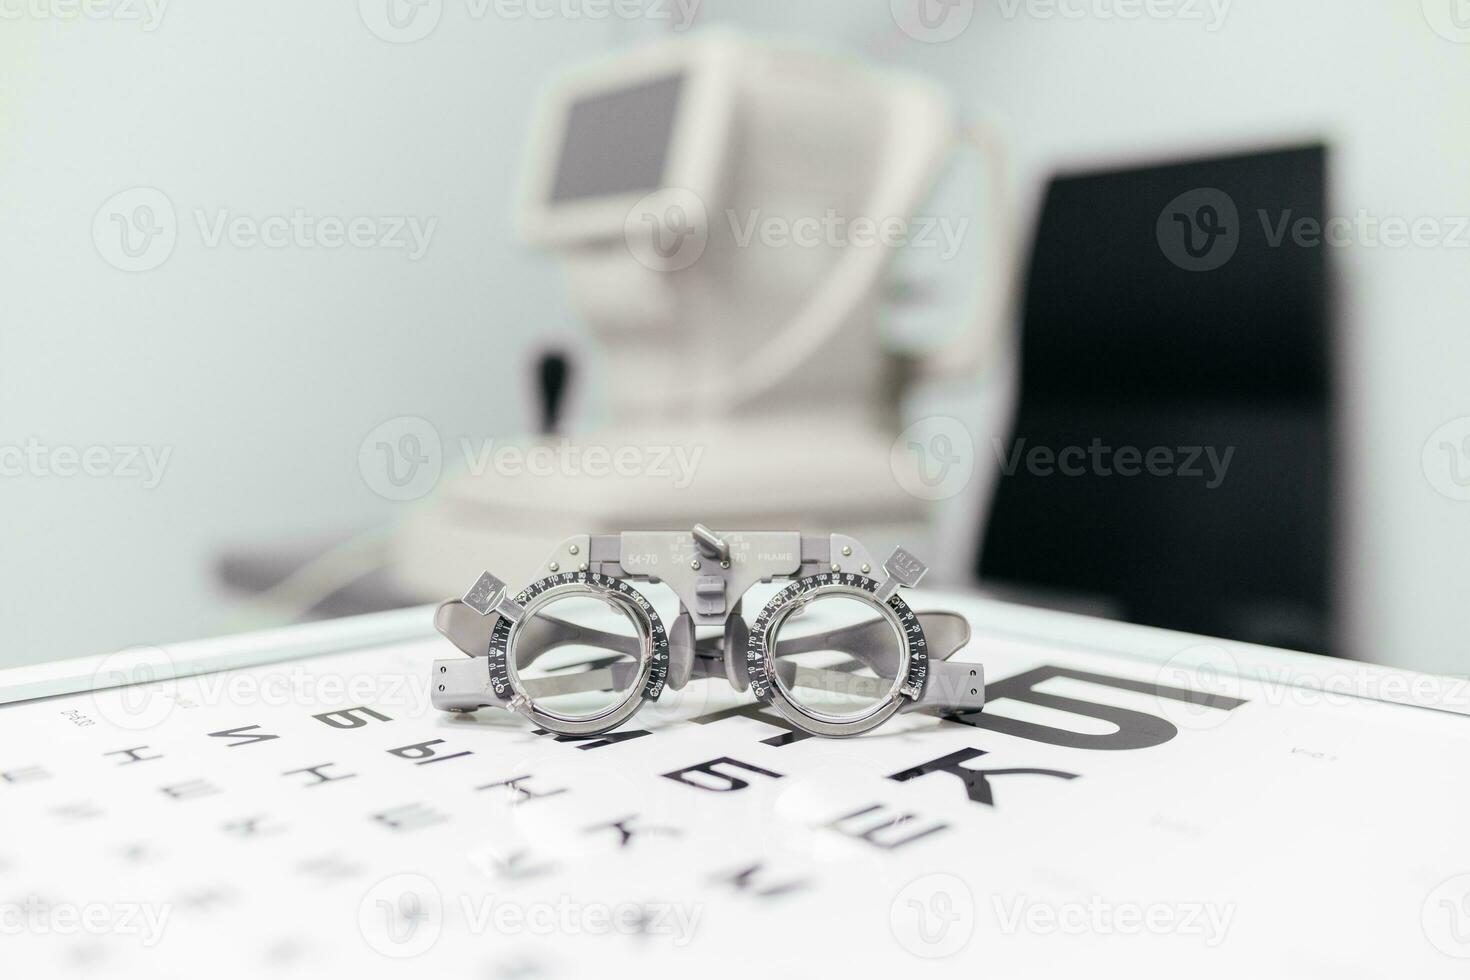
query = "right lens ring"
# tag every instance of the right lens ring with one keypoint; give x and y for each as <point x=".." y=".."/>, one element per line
<point x="760" y="655"/>
<point x="653" y="659"/>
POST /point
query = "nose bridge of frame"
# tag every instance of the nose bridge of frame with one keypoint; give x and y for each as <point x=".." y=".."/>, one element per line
<point x="711" y="571"/>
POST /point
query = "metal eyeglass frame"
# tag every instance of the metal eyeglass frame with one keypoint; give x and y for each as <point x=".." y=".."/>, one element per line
<point x="710" y="573"/>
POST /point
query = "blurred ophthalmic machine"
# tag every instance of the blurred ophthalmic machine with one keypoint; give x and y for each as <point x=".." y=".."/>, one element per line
<point x="756" y="357"/>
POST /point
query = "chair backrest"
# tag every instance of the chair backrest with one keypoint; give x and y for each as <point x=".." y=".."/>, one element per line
<point x="1171" y="451"/>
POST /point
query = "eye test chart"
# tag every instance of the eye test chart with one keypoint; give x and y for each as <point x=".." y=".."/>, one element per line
<point x="1130" y="802"/>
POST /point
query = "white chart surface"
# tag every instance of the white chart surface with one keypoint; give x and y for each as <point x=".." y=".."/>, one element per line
<point x="318" y="818"/>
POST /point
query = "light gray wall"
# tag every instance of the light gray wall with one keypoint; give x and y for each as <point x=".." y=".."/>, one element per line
<point x="259" y="369"/>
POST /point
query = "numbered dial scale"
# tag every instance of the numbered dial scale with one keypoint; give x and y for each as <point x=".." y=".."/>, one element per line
<point x="643" y="678"/>
<point x="844" y="700"/>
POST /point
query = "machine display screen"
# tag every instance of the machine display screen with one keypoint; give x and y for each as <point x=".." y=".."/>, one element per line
<point x="617" y="143"/>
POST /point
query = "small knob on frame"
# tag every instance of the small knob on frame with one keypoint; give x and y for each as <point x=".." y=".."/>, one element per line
<point x="710" y="544"/>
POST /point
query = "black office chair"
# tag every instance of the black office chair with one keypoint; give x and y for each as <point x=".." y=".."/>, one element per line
<point x="1141" y="328"/>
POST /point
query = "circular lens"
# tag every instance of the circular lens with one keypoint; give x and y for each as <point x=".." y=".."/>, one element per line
<point x="837" y="656"/>
<point x="578" y="655"/>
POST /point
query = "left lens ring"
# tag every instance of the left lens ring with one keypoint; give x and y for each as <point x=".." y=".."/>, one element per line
<point x="760" y="662"/>
<point x="653" y="646"/>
